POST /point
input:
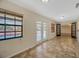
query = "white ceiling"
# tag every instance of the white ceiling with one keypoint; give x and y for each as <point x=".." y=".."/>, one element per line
<point x="54" y="8"/>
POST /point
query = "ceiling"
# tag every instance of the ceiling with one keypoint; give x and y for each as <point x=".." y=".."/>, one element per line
<point x="54" y="8"/>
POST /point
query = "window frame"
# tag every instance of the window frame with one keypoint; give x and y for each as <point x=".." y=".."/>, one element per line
<point x="14" y="25"/>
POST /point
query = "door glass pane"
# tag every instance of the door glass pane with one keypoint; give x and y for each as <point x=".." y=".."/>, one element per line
<point x="38" y="37"/>
<point x="10" y="34"/>
<point x="44" y="35"/>
<point x="1" y="35"/>
<point x="44" y="26"/>
<point x="10" y="28"/>
<point x="44" y="30"/>
<point x="38" y="30"/>
<point x="18" y="28"/>
<point x="38" y="27"/>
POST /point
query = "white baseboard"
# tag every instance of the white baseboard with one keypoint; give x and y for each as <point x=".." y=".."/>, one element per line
<point x="26" y="49"/>
<point x="18" y="52"/>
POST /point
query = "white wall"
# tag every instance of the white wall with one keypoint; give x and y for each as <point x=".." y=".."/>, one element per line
<point x="10" y="47"/>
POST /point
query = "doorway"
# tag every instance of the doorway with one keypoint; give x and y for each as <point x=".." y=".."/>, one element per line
<point x="41" y="31"/>
<point x="66" y="29"/>
<point x="73" y="30"/>
<point x="58" y="29"/>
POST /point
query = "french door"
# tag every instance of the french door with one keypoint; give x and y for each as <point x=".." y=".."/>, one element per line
<point x="73" y="30"/>
<point x="41" y="32"/>
<point x="58" y="29"/>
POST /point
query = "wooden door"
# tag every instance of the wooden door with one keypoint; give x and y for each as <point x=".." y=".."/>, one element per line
<point x="58" y="29"/>
<point x="73" y="30"/>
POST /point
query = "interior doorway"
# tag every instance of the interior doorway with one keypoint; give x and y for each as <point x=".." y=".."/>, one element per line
<point x="73" y="30"/>
<point x="41" y="30"/>
<point x="58" y="29"/>
<point x="66" y="29"/>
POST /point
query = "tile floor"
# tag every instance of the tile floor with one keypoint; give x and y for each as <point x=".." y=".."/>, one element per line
<point x="58" y="47"/>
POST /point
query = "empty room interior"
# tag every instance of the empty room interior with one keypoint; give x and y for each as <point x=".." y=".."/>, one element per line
<point x="39" y="28"/>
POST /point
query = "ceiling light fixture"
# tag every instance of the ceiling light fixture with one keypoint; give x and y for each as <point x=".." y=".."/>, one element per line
<point x="77" y="5"/>
<point x="62" y="17"/>
<point x="45" y="1"/>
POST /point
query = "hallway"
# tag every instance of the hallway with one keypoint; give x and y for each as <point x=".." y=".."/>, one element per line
<point x="59" y="47"/>
<point x="28" y="28"/>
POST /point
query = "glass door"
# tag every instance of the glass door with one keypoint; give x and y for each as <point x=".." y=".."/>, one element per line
<point x="73" y="30"/>
<point x="58" y="29"/>
<point x="41" y="32"/>
<point x="44" y="30"/>
<point x="38" y="31"/>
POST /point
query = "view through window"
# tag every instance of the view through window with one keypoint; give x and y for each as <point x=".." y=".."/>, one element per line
<point x="10" y="26"/>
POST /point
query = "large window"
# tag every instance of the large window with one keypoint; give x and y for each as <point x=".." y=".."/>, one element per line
<point x="11" y="26"/>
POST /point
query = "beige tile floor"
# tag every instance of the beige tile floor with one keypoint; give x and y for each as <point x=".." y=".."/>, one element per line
<point x="58" y="47"/>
